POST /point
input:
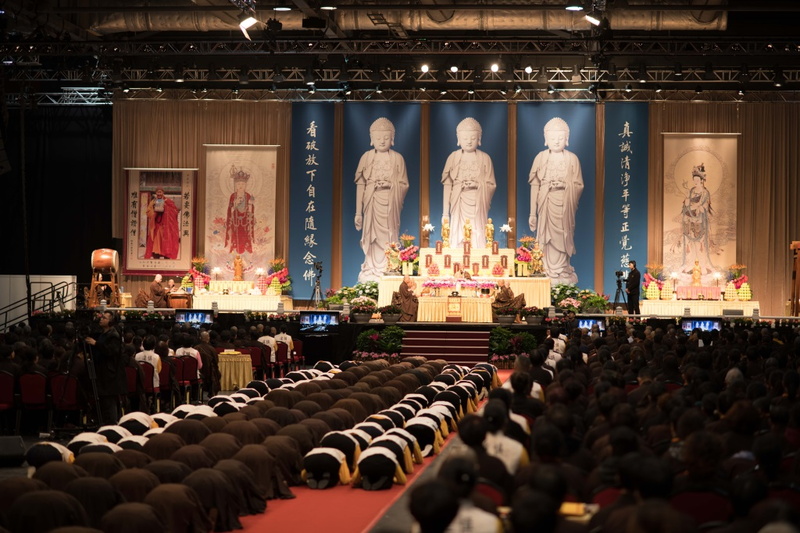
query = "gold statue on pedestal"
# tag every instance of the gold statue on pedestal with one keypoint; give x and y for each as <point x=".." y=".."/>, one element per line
<point x="446" y="232"/>
<point x="537" y="259"/>
<point x="697" y="274"/>
<point x="238" y="268"/>
<point x="467" y="231"/>
<point x="489" y="233"/>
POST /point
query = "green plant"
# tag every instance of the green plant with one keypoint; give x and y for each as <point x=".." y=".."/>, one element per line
<point x="506" y="311"/>
<point x="562" y="291"/>
<point x="390" y="310"/>
<point x="367" y="288"/>
<point x="362" y="304"/>
<point x="336" y="299"/>
<point x="592" y="300"/>
<point x="499" y="341"/>
<point x="391" y="339"/>
<point x="532" y="311"/>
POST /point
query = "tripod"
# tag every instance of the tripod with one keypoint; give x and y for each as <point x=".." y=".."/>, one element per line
<point x="317" y="298"/>
<point x="620" y="294"/>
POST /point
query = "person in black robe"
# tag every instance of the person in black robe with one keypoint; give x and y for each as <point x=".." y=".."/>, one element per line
<point x="632" y="285"/>
<point x="106" y="355"/>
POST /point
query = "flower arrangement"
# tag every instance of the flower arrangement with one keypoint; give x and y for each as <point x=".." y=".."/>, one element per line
<point x="561" y="291"/>
<point x="498" y="270"/>
<point x="433" y="270"/>
<point x="392" y="253"/>
<point x="737" y="276"/>
<point x="410" y="254"/>
<point x="656" y="271"/>
<point x="648" y="279"/>
<point x="523" y="256"/>
<point x="362" y="304"/>
<point x="389" y="310"/>
<point x="389" y="340"/>
<point x="486" y="284"/>
<point x="527" y="242"/>
<point x="570" y="304"/>
<point x="507" y="311"/>
<point x="468" y="283"/>
<point x="407" y="240"/>
<point x="439" y="283"/>
<point x="272" y="317"/>
<point x="278" y="270"/>
<point x="532" y="311"/>
<point x="142" y="315"/>
<point x="199" y="263"/>
<point x="593" y="300"/>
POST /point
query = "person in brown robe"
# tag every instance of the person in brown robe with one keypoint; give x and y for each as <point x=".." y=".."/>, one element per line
<point x="157" y="292"/>
<point x="406" y="300"/>
<point x="505" y="298"/>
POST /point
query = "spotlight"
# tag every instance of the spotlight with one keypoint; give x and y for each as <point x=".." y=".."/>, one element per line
<point x="574" y="5"/>
<point x="593" y="17"/>
<point x="495" y="67"/>
<point x="698" y="89"/>
<point x="741" y="92"/>
<point x="551" y="89"/>
<point x="246" y="21"/>
<point x="454" y="69"/>
<point x="312" y="89"/>
<point x="274" y="25"/>
<point x="471" y="90"/>
<point x="503" y="90"/>
<point x="282" y="7"/>
<point x="678" y="72"/>
<point x="528" y="69"/>
<point x="244" y="78"/>
<point x="378" y="89"/>
<point x="424" y="68"/>
<point x="779" y="78"/>
<point x="126" y="89"/>
<point x="308" y="77"/>
<point x="517" y="89"/>
<point x="659" y="88"/>
<point x="628" y="88"/>
<point x="159" y="90"/>
<point x="442" y="91"/>
<point x="180" y="75"/>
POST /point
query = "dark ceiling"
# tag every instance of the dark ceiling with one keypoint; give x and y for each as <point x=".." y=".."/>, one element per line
<point x="85" y="51"/>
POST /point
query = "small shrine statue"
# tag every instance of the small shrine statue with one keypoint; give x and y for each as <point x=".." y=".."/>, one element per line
<point x="446" y="232"/>
<point x="467" y="231"/>
<point x="537" y="259"/>
<point x="238" y="268"/>
<point x="697" y="274"/>
<point x="489" y="233"/>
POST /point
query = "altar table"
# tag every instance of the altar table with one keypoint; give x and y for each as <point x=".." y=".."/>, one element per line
<point x="697" y="307"/>
<point x="236" y="371"/>
<point x="689" y="292"/>
<point x="434" y="309"/>
<point x="536" y="290"/>
<point x="242" y="302"/>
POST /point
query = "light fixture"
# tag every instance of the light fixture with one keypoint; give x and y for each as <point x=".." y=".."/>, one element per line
<point x="312" y="89"/>
<point x="308" y="77"/>
<point x="442" y="91"/>
<point x="282" y="7"/>
<point x="503" y="90"/>
<point x="180" y="75"/>
<point x="593" y="17"/>
<point x="659" y="88"/>
<point x="779" y="78"/>
<point x="494" y="67"/>
<point x="424" y="68"/>
<point x="698" y="89"/>
<point x="678" y="72"/>
<point x="628" y="88"/>
<point x="378" y="89"/>
<point x="274" y="25"/>
<point x="574" y="5"/>
<point x="453" y="69"/>
<point x="247" y="20"/>
<point x="528" y="69"/>
<point x="643" y="74"/>
<point x="741" y="92"/>
<point x="551" y="89"/>
<point x="471" y="90"/>
<point x="244" y="78"/>
<point x="517" y="89"/>
<point x="327" y="7"/>
<point x="159" y="90"/>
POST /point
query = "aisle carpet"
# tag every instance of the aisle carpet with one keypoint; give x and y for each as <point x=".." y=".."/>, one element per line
<point x="341" y="509"/>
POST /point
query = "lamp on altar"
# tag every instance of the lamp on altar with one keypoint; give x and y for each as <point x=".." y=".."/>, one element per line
<point x="216" y="271"/>
<point x="259" y="271"/>
<point x="717" y="277"/>
<point x="506" y="228"/>
<point x="427" y="229"/>
<point x="674" y="277"/>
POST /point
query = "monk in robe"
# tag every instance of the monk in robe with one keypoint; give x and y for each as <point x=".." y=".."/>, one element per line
<point x="163" y="235"/>
<point x="406" y="300"/>
<point x="157" y="292"/>
<point x="505" y="298"/>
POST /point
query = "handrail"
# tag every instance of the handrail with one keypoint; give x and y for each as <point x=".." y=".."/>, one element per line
<point x="44" y="300"/>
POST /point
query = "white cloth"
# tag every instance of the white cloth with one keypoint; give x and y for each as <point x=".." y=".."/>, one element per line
<point x="471" y="519"/>
<point x="151" y="357"/>
<point x="504" y="448"/>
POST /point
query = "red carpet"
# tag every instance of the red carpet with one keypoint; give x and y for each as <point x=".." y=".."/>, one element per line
<point x="341" y="509"/>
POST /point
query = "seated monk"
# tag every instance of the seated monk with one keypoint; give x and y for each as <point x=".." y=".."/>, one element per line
<point x="505" y="298"/>
<point x="406" y="300"/>
<point x="157" y="293"/>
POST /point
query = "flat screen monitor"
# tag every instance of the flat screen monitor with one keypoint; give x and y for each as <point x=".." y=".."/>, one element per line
<point x="587" y="323"/>
<point x="319" y="322"/>
<point x="194" y="317"/>
<point x="705" y="324"/>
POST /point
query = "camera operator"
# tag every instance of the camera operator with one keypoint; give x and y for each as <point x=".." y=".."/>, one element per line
<point x="632" y="285"/>
<point x="106" y="356"/>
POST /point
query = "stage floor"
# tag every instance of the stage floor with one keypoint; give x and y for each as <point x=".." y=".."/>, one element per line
<point x="696" y="307"/>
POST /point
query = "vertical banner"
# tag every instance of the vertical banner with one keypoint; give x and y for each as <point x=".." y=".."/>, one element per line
<point x="699" y="205"/>
<point x="240" y="207"/>
<point x="160" y="220"/>
<point x="468" y="168"/>
<point x="310" y="205"/>
<point x="556" y="186"/>
<point x="380" y="184"/>
<point x="625" y="199"/>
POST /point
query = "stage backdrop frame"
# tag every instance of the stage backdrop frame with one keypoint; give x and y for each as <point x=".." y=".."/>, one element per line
<point x="141" y="184"/>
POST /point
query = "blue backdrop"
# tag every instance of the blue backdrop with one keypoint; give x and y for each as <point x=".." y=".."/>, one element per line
<point x="625" y="201"/>
<point x="493" y="118"/>
<point x="311" y="190"/>
<point x="531" y="118"/>
<point x="358" y="116"/>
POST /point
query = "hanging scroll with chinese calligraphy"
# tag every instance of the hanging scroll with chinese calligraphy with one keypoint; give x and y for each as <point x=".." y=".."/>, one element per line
<point x="159" y="220"/>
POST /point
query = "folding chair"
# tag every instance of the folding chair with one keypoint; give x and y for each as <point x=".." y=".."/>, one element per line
<point x="7" y="403"/>
<point x="177" y="363"/>
<point x="166" y="380"/>
<point x="282" y="358"/>
<point x="33" y="397"/>
<point x="491" y="490"/>
<point x="703" y="505"/>
<point x="298" y="359"/>
<point x="189" y="379"/>
<point x="150" y="390"/>
<point x="64" y="393"/>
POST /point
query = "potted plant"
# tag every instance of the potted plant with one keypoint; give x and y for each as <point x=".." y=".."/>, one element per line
<point x="390" y="314"/>
<point x="592" y="302"/>
<point x="532" y="315"/>
<point x="334" y="301"/>
<point x="506" y="315"/>
<point x="362" y="308"/>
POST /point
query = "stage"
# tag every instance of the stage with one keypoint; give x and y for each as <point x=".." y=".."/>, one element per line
<point x="242" y="302"/>
<point x="536" y="291"/>
<point x="704" y="308"/>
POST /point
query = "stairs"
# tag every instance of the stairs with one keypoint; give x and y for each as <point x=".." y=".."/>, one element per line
<point x="460" y="347"/>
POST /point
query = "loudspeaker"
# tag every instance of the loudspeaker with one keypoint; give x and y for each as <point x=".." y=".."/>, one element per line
<point x="733" y="312"/>
<point x="12" y="451"/>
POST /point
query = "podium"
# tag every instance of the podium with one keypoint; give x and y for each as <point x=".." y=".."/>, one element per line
<point x="453" y="309"/>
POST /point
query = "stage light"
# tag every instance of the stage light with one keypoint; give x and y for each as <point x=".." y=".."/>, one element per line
<point x="274" y="25"/>
<point x="698" y="89"/>
<point x="574" y="5"/>
<point x="378" y="89"/>
<point x="659" y="88"/>
<point x="551" y="89"/>
<point x="453" y="69"/>
<point x="517" y="89"/>
<point x="678" y="72"/>
<point x="495" y="67"/>
<point x="471" y="90"/>
<point x="741" y="92"/>
<point x="246" y="21"/>
<point x="442" y="91"/>
<point x="528" y="69"/>
<point x="593" y="17"/>
<point x="311" y="89"/>
<point x="628" y="88"/>
<point x="503" y="90"/>
<point x="180" y="75"/>
<point x="308" y="77"/>
<point x="424" y="68"/>
<point x="328" y="7"/>
<point x="282" y="7"/>
<point x="779" y="78"/>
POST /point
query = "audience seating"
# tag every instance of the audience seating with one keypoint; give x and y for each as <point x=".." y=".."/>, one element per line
<point x="64" y="394"/>
<point x="7" y="403"/>
<point x="704" y="506"/>
<point x="298" y="359"/>
<point x="150" y="391"/>
<point x="33" y="397"/>
<point x="282" y="359"/>
<point x="189" y="380"/>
